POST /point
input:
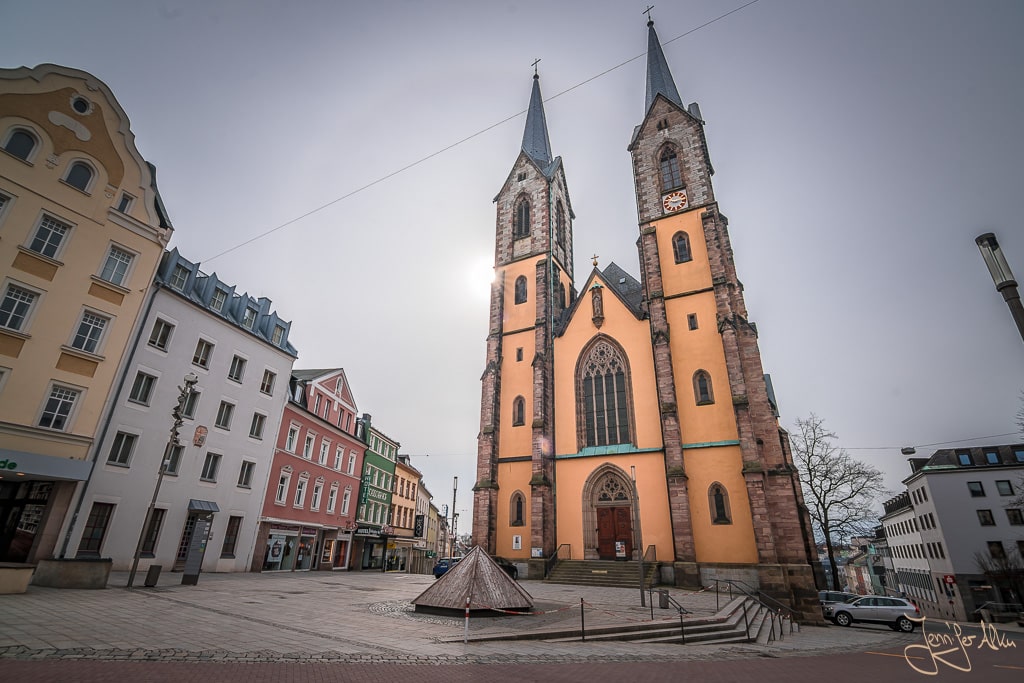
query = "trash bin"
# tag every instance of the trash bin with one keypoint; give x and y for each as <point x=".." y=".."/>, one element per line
<point x="153" y="575"/>
<point x="663" y="599"/>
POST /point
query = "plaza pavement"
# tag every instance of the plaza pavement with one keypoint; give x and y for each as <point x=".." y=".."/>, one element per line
<point x="357" y="617"/>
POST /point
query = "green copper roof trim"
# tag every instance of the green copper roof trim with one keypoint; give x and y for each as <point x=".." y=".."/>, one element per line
<point x="711" y="444"/>
<point x="616" y="449"/>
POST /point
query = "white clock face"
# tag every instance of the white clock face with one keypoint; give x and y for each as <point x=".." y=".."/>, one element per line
<point x="674" y="201"/>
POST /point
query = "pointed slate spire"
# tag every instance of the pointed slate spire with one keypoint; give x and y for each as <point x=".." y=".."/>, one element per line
<point x="659" y="78"/>
<point x="535" y="137"/>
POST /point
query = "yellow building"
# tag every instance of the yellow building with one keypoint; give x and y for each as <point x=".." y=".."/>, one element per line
<point x="82" y="229"/>
<point x="633" y="396"/>
<point x="405" y="548"/>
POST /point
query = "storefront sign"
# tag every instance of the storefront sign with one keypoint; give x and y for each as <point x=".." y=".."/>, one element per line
<point x="365" y="531"/>
<point x="308" y="531"/>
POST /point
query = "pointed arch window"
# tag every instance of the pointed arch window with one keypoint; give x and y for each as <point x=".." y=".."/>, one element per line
<point x="561" y="295"/>
<point x="681" y="247"/>
<point x="21" y="144"/>
<point x="518" y="411"/>
<point x="718" y="502"/>
<point x="517" y="506"/>
<point x="521" y="226"/>
<point x="560" y="224"/>
<point x="603" y="393"/>
<point x="79" y="175"/>
<point x="702" y="391"/>
<point x="671" y="178"/>
<point x="521" y="289"/>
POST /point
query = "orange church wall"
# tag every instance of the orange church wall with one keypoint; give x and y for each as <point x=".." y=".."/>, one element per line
<point x="514" y="476"/>
<point x="520" y="316"/>
<point x="719" y="542"/>
<point x="517" y="380"/>
<point x="652" y="489"/>
<point x="635" y="338"/>
<point x="690" y="275"/>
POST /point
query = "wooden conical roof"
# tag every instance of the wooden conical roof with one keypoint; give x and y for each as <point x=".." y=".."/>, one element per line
<point x="479" y="578"/>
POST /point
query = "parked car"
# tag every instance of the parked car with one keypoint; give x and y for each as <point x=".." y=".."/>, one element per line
<point x="443" y="565"/>
<point x="896" y="613"/>
<point x="829" y="597"/>
<point x="508" y="566"/>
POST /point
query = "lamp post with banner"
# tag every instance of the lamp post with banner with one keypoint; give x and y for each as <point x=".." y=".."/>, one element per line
<point x="178" y="413"/>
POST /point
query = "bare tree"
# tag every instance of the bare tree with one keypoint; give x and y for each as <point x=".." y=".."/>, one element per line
<point x="1005" y="571"/>
<point x="840" y="491"/>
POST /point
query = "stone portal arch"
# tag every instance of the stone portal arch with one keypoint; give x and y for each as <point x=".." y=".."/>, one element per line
<point x="607" y="498"/>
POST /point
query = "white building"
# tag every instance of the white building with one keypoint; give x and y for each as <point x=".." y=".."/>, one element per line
<point x="964" y="508"/>
<point x="239" y="350"/>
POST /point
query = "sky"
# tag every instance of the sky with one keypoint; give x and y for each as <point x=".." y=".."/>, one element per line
<point x="859" y="146"/>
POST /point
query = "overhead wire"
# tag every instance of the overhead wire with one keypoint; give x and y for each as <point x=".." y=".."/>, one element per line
<point x="455" y="144"/>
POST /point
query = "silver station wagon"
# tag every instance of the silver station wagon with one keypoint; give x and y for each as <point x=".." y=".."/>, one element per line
<point x="896" y="613"/>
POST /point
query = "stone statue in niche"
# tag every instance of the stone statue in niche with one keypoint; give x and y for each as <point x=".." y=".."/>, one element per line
<point x="597" y="301"/>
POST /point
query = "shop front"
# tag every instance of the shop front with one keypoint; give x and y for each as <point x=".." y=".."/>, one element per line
<point x="374" y="547"/>
<point x="288" y="548"/>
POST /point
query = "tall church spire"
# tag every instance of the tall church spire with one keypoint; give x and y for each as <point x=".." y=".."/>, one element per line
<point x="659" y="78"/>
<point x="535" y="137"/>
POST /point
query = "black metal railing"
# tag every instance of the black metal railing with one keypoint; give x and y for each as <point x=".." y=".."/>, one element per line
<point x="777" y="612"/>
<point x="563" y="552"/>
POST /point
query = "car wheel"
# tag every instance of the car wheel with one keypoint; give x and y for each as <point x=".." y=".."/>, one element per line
<point x="843" y="619"/>
<point x="904" y="624"/>
<point x="515" y="574"/>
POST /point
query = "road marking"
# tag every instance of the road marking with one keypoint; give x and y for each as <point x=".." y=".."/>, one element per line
<point x="890" y="654"/>
<point x="1001" y="666"/>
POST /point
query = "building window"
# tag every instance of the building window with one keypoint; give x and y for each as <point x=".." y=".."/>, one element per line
<point x="278" y="335"/>
<point x="258" y="423"/>
<point x="325" y="447"/>
<point x="191" y="403"/>
<point x="160" y="335"/>
<point x="985" y="518"/>
<point x="57" y="412"/>
<point x="15" y="308"/>
<point x="992" y="457"/>
<point x="21" y="144"/>
<point x="300" y="492"/>
<point x="95" y="530"/>
<point x="90" y="332"/>
<point x="976" y="488"/>
<point x="346" y="500"/>
<point x="518" y="411"/>
<point x="307" y="449"/>
<point x="560" y="224"/>
<point x="125" y="203"/>
<point x="519" y="354"/>
<point x="964" y="458"/>
<point x="702" y="391"/>
<point x="521" y="227"/>
<point x="227" y="550"/>
<point x="79" y="176"/>
<point x="1014" y="516"/>
<point x="718" y="500"/>
<point x="282" y="488"/>
<point x="210" y="467"/>
<point x="245" y="473"/>
<point x="351" y="469"/>
<point x="332" y="498"/>
<point x="1018" y="454"/>
<point x="201" y="357"/>
<point x="249" y="318"/>
<point x="669" y="165"/>
<point x="603" y="395"/>
<point x="267" y="383"/>
<point x="179" y="277"/>
<point x="691" y="320"/>
<point x="156" y="521"/>
<point x="1004" y="487"/>
<point x="218" y="300"/>
<point x="142" y="388"/>
<point x="520" y="290"/>
<point x="237" y="369"/>
<point x="224" y="414"/>
<point x="49" y="236"/>
<point x="318" y="490"/>
<point x="339" y="455"/>
<point x="121" y="449"/>
<point x="681" y="247"/>
<point x="516" y="506"/>
<point x="293" y="437"/>
<point x="996" y="550"/>
<point x="115" y="268"/>
<point x="174" y="460"/>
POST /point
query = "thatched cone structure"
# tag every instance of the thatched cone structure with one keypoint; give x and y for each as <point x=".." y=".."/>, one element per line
<point x="478" y="578"/>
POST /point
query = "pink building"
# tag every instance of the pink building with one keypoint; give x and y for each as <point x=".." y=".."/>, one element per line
<point x="309" y="507"/>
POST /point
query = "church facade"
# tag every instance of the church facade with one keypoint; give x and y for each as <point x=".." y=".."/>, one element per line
<point x="614" y="406"/>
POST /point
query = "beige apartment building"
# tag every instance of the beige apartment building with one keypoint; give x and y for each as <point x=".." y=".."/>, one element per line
<point x="82" y="229"/>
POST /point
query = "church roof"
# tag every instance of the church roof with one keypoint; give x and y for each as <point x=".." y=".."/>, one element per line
<point x="535" y="138"/>
<point x="659" y="78"/>
<point x="478" y="578"/>
<point x="626" y="286"/>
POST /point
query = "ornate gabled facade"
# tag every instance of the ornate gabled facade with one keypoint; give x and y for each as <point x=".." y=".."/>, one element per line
<point x="638" y="398"/>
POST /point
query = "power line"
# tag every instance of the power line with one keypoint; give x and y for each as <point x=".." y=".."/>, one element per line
<point x="926" y="445"/>
<point x="459" y="142"/>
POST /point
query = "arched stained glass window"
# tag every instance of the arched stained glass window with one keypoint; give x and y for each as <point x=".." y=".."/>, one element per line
<point x="681" y="247"/>
<point x="670" y="175"/>
<point x="518" y="411"/>
<point x="603" y="395"/>
<point x="521" y="225"/>
<point x="702" y="391"/>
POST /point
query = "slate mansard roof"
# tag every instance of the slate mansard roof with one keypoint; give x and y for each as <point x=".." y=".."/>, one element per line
<point x="199" y="289"/>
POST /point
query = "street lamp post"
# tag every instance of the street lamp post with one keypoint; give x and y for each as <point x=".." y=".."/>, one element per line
<point x="639" y="534"/>
<point x="1002" y="277"/>
<point x="179" y="414"/>
<point x="455" y="490"/>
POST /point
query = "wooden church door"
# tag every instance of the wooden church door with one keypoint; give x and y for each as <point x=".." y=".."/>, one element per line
<point x="614" y="526"/>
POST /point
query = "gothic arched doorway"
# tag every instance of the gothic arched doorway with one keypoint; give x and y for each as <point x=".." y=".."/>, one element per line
<point x="608" y="515"/>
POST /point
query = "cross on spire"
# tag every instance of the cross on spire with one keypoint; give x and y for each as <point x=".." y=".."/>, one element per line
<point x="595" y="260"/>
<point x="648" y="12"/>
<point x="534" y="65"/>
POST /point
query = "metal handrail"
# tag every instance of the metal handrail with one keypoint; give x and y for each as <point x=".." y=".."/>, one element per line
<point x="556" y="556"/>
<point x="1001" y="607"/>
<point x="759" y="597"/>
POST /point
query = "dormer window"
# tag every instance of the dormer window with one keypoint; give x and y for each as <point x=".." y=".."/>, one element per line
<point x="521" y="227"/>
<point x="670" y="175"/>
<point x="79" y="176"/>
<point x="279" y="337"/>
<point x="249" y="321"/>
<point x="179" y="277"/>
<point x="220" y="297"/>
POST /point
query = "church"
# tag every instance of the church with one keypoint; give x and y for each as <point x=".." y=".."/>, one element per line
<point x="617" y="412"/>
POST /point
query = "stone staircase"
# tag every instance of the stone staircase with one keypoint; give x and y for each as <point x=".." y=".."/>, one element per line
<point x="603" y="573"/>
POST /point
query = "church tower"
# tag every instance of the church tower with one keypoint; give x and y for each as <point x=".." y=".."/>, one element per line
<point x="706" y="347"/>
<point x="532" y="285"/>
